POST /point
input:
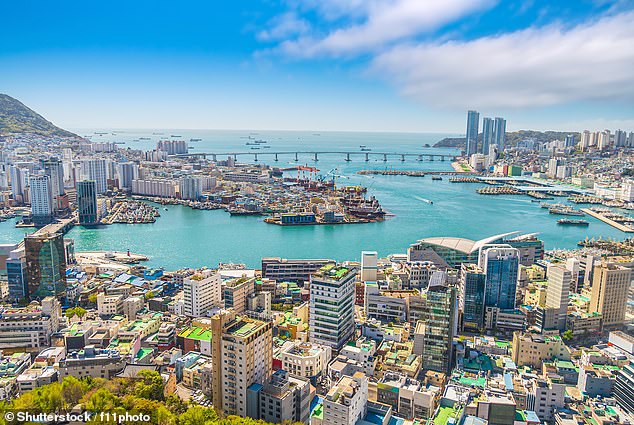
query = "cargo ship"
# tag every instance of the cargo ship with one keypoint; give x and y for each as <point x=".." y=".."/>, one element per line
<point x="572" y="222"/>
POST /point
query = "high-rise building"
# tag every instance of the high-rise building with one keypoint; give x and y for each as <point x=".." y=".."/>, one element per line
<point x="16" y="275"/>
<point x="96" y="170"/>
<point x="332" y="296"/>
<point x="126" y="172"/>
<point x="604" y="140"/>
<point x="620" y="138"/>
<point x="19" y="183"/>
<point x="242" y="355"/>
<point x="190" y="188"/>
<point x="570" y="141"/>
<point x="499" y="133"/>
<point x="557" y="293"/>
<point x="368" y="266"/>
<point x="471" y="297"/>
<point x="473" y="123"/>
<point x="437" y="325"/>
<point x="202" y="292"/>
<point x="487" y="135"/>
<point x="610" y="286"/>
<point x="45" y="264"/>
<point x="87" y="207"/>
<point x="501" y="264"/>
<point x="41" y="199"/>
<point x="55" y="170"/>
<point x="237" y="292"/>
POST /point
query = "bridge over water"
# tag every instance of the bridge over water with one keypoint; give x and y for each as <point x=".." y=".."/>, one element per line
<point x="346" y="155"/>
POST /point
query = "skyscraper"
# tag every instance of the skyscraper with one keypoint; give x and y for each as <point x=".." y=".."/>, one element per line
<point x="190" y="188"/>
<point x="473" y="123"/>
<point x="55" y="170"/>
<point x="242" y="355"/>
<point x="471" y="296"/>
<point x="126" y="172"/>
<point x="16" y="275"/>
<point x="487" y="135"/>
<point x="499" y="133"/>
<point x="437" y="324"/>
<point x="332" y="295"/>
<point x="19" y="182"/>
<point x="96" y="170"/>
<point x="87" y="208"/>
<point x="501" y="264"/>
<point x="557" y="293"/>
<point x="41" y="199"/>
<point x="45" y="264"/>
<point x="610" y="285"/>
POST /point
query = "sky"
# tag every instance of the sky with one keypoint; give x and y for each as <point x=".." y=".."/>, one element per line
<point x="349" y="65"/>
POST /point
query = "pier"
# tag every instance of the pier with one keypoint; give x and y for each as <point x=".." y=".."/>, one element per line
<point x="346" y="155"/>
<point x="599" y="216"/>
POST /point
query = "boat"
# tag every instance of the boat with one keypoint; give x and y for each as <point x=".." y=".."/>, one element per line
<point x="195" y="140"/>
<point x="436" y="178"/>
<point x="174" y="135"/>
<point x="572" y="222"/>
<point x="427" y="145"/>
<point x="362" y="146"/>
<point x="251" y="144"/>
<point x="165" y="209"/>
<point x="266" y="147"/>
<point x="254" y="147"/>
<point x="564" y="211"/>
<point x="365" y="149"/>
<point x="144" y="138"/>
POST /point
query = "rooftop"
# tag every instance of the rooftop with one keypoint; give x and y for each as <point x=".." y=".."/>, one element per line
<point x="196" y="333"/>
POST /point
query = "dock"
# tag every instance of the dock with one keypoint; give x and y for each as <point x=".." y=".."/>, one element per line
<point x="599" y="216"/>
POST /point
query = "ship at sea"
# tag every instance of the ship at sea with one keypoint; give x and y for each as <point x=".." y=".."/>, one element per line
<point x="564" y="211"/>
<point x="572" y="222"/>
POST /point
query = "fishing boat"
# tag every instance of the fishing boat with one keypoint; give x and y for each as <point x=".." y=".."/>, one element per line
<point x="572" y="222"/>
<point x="436" y="178"/>
<point x="565" y="211"/>
<point x="365" y="149"/>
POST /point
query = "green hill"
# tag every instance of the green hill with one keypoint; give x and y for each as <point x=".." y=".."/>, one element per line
<point x="15" y="117"/>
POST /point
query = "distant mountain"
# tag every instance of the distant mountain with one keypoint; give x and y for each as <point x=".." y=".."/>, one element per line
<point x="512" y="138"/>
<point x="15" y="117"/>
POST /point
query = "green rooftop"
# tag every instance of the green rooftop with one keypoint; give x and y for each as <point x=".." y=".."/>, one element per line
<point x="196" y="333"/>
<point x="444" y="414"/>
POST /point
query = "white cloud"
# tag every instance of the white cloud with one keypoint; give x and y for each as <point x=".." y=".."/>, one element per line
<point x="284" y="26"/>
<point x="533" y="67"/>
<point x="381" y="23"/>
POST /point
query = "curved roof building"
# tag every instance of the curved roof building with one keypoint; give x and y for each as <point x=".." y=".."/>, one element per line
<point x="455" y="251"/>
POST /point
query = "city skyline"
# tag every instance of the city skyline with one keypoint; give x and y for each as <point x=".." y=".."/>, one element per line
<point x="340" y="66"/>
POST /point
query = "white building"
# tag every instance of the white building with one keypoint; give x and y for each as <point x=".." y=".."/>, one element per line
<point x="369" y="266"/>
<point x="41" y="198"/>
<point x="202" y="292"/>
<point x="160" y="188"/>
<point x="332" y="296"/>
<point x="557" y="292"/>
<point x="95" y="169"/>
<point x="346" y="402"/>
<point x="306" y="359"/>
<point x="109" y="304"/>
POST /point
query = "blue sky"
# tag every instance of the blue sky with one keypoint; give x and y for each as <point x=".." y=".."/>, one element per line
<point x="374" y="65"/>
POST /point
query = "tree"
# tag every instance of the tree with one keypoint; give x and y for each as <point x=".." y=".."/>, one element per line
<point x="197" y="415"/>
<point x="72" y="391"/>
<point x="150" y="385"/>
<point x="92" y="298"/>
<point x="76" y="311"/>
<point x="568" y="335"/>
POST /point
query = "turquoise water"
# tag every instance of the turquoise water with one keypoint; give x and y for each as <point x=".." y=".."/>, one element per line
<point x="185" y="237"/>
